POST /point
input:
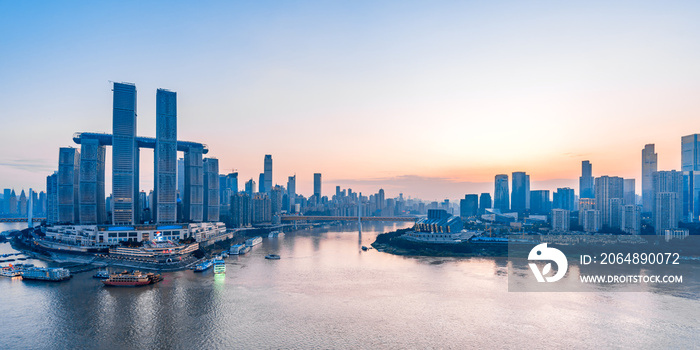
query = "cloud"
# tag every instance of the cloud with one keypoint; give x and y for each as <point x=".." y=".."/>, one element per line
<point x="30" y="165"/>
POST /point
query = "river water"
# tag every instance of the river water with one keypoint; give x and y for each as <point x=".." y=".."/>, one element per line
<point x="326" y="292"/>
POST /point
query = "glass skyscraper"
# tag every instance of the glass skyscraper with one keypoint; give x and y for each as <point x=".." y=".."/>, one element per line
<point x="500" y="195"/>
<point x="165" y="158"/>
<point x="125" y="156"/>
<point x="267" y="186"/>
<point x="649" y="166"/>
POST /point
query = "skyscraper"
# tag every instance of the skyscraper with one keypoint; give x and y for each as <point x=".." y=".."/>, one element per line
<point x="51" y="198"/>
<point x="668" y="199"/>
<point x="649" y="159"/>
<point x="250" y="187"/>
<point x="211" y="189"/>
<point x="540" y="203"/>
<point x="292" y="192"/>
<point x="563" y="198"/>
<point x="585" y="182"/>
<point x="607" y="188"/>
<point x="68" y="185"/>
<point x="165" y="158"/>
<point x="317" y="186"/>
<point x="690" y="165"/>
<point x="484" y="203"/>
<point x="261" y="183"/>
<point x="125" y="155"/>
<point x="560" y="220"/>
<point x="469" y="206"/>
<point x="92" y="183"/>
<point x="629" y="189"/>
<point x="521" y="192"/>
<point x="193" y="198"/>
<point x="632" y="219"/>
<point x="500" y="198"/>
<point x="268" y="174"/>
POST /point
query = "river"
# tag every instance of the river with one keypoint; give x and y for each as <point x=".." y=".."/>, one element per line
<point x="326" y="292"/>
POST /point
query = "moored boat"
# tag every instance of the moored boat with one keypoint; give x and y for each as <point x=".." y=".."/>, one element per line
<point x="251" y="242"/>
<point x="204" y="265"/>
<point x="45" y="274"/>
<point x="133" y="279"/>
<point x="219" y="266"/>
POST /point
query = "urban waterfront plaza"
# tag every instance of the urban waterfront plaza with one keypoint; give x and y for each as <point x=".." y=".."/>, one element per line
<point x="350" y="175"/>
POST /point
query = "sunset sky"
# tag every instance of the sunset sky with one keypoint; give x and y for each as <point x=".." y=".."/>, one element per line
<point x="431" y="99"/>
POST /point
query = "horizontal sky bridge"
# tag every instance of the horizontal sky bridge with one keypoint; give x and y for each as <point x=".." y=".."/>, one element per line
<point x="141" y="142"/>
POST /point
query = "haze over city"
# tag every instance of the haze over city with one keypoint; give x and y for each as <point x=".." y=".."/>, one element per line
<point x="391" y="96"/>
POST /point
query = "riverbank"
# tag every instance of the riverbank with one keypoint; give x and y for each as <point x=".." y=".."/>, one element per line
<point x="392" y="243"/>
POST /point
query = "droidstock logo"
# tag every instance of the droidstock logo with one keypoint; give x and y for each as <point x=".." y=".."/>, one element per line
<point x="542" y="252"/>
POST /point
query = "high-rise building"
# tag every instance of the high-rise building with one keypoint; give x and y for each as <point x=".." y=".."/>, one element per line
<point x="583" y="205"/>
<point x="292" y="192"/>
<point x="261" y="183"/>
<point x="592" y="221"/>
<point x="560" y="220"/>
<point x="6" y="200"/>
<point x="563" y="198"/>
<point x="690" y="165"/>
<point x="616" y="207"/>
<point x="193" y="198"/>
<point x="92" y="182"/>
<point x="68" y="185"/>
<point x="13" y="203"/>
<point x="520" y="192"/>
<point x="500" y="195"/>
<point x="261" y="209"/>
<point x="668" y="199"/>
<point x="649" y="166"/>
<point x="268" y="174"/>
<point x="165" y="158"/>
<point x="585" y="182"/>
<point x="125" y="155"/>
<point x="181" y="178"/>
<point x="276" y="200"/>
<point x="484" y="203"/>
<point x="469" y="206"/>
<point x="250" y="187"/>
<point x="211" y="189"/>
<point x="317" y="186"/>
<point x="665" y="211"/>
<point x="690" y="153"/>
<point x="23" y="204"/>
<point x="51" y="198"/>
<point x="240" y="210"/>
<point x="540" y="203"/>
<point x="630" y="197"/>
<point x="606" y="188"/>
<point x="632" y="219"/>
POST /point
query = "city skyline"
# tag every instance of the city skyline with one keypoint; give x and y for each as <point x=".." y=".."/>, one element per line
<point x="255" y="87"/>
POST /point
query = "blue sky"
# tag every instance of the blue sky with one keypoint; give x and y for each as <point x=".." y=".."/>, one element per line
<point x="446" y="94"/>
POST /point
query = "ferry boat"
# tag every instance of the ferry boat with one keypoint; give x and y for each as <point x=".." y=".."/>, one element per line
<point x="219" y="266"/>
<point x="272" y="257"/>
<point x="204" y="265"/>
<point x="275" y="234"/>
<point x="45" y="274"/>
<point x="133" y="279"/>
<point x="239" y="249"/>
<point x="252" y="242"/>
